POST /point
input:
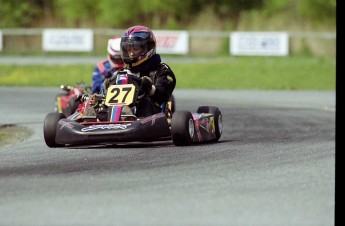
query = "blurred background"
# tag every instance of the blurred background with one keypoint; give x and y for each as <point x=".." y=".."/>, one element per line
<point x="311" y="24"/>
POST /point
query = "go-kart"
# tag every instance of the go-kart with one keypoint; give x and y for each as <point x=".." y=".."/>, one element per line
<point x="65" y="101"/>
<point x="109" y="118"/>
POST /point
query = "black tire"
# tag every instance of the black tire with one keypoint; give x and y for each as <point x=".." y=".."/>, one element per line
<point x="49" y="129"/>
<point x="182" y="128"/>
<point x="218" y="120"/>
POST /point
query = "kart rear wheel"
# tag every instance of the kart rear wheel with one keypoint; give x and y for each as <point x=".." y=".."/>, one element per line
<point x="182" y="128"/>
<point x="49" y="129"/>
<point x="218" y="120"/>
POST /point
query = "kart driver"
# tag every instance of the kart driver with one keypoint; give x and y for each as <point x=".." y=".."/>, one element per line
<point x="138" y="51"/>
<point x="106" y="67"/>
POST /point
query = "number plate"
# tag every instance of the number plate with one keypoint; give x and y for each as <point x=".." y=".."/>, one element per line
<point x="120" y="94"/>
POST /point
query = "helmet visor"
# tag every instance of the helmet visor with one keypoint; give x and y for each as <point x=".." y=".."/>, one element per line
<point x="132" y="47"/>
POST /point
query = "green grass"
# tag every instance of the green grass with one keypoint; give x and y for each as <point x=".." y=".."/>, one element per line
<point x="3" y="137"/>
<point x="261" y="73"/>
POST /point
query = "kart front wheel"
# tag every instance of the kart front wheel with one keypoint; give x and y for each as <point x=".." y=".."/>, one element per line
<point x="218" y="120"/>
<point x="182" y="128"/>
<point x="49" y="129"/>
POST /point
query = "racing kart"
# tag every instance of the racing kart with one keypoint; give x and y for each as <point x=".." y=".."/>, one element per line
<point x="109" y="118"/>
<point x="65" y="101"/>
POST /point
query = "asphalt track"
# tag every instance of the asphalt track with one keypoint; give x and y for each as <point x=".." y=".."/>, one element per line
<point x="274" y="165"/>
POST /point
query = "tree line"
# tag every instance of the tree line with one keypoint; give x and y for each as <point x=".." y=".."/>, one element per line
<point x="167" y="14"/>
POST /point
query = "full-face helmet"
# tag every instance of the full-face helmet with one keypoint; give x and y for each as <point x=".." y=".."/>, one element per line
<point x="138" y="44"/>
<point x="114" y="53"/>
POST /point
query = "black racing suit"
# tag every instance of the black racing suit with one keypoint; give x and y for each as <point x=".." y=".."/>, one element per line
<point x="163" y="79"/>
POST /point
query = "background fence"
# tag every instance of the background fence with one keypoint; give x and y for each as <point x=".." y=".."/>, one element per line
<point x="201" y="43"/>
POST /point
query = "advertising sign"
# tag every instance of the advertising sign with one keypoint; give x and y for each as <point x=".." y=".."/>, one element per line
<point x="72" y="40"/>
<point x="259" y="43"/>
<point x="172" y="42"/>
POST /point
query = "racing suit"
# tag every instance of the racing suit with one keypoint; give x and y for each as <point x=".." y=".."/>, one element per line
<point x="162" y="78"/>
<point x="102" y="71"/>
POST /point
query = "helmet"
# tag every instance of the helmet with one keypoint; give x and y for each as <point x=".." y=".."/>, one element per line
<point x="114" y="54"/>
<point x="138" y="44"/>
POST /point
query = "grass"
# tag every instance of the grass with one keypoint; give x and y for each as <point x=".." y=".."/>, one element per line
<point x="11" y="134"/>
<point x="260" y="73"/>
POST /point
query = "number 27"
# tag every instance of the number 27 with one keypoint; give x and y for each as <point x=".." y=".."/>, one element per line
<point x="116" y="97"/>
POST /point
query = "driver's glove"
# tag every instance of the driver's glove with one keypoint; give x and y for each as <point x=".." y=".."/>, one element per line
<point x="147" y="86"/>
<point x="106" y="83"/>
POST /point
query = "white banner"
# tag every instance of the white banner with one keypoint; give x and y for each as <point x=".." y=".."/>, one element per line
<point x="172" y="42"/>
<point x="72" y="40"/>
<point x="0" y="41"/>
<point x="259" y="43"/>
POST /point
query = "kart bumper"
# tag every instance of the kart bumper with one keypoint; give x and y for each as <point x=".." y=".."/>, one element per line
<point x="147" y="129"/>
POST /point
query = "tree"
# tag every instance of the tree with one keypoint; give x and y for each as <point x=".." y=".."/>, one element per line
<point x="232" y="8"/>
<point x="18" y="13"/>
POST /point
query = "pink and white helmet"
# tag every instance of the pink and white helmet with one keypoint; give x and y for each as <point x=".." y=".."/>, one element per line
<point x="138" y="44"/>
<point x="114" y="53"/>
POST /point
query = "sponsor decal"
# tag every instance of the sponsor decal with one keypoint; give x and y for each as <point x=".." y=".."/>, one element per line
<point x="208" y="124"/>
<point x="204" y="123"/>
<point x="197" y="127"/>
<point x="103" y="127"/>
<point x="122" y="79"/>
<point x="152" y="118"/>
<point x="65" y="124"/>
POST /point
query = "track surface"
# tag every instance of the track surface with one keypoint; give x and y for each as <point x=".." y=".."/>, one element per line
<point x="274" y="165"/>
